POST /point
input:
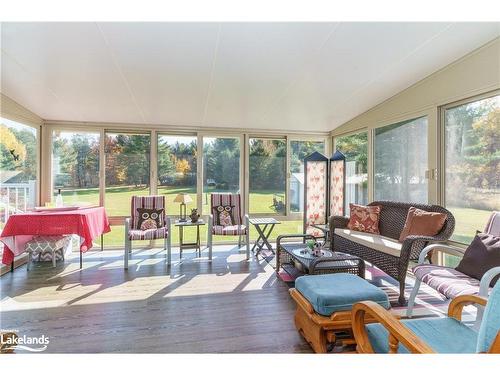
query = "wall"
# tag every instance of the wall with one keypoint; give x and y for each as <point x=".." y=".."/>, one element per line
<point x="16" y="112"/>
<point x="475" y="73"/>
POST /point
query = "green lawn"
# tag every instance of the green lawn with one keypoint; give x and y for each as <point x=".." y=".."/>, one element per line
<point x="118" y="204"/>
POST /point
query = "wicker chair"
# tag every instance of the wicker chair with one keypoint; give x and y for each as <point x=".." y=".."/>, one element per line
<point x="392" y="220"/>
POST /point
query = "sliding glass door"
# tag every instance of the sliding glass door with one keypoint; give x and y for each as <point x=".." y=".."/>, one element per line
<point x="355" y="149"/>
<point x="177" y="169"/>
<point x="127" y="157"/>
<point x="400" y="161"/>
<point x="267" y="176"/>
<point x="75" y="166"/>
<point x="472" y="164"/>
<point x="221" y="168"/>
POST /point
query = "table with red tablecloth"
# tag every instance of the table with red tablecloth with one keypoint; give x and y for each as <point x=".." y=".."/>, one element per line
<point x="88" y="223"/>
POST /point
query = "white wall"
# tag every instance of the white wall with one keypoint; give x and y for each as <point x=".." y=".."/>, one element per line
<point x="473" y="74"/>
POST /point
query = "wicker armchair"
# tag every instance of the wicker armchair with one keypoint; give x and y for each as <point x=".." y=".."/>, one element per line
<point x="392" y="220"/>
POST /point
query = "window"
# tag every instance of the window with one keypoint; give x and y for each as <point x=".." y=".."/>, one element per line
<point x="127" y="157"/>
<point x="298" y="151"/>
<point x="355" y="149"/>
<point x="400" y="161"/>
<point x="75" y="166"/>
<point x="221" y="167"/>
<point x="18" y="168"/>
<point x="472" y="164"/>
<point x="267" y="169"/>
<point x="177" y="170"/>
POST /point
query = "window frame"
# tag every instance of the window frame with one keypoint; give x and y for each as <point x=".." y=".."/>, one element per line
<point x="45" y="163"/>
<point x="441" y="155"/>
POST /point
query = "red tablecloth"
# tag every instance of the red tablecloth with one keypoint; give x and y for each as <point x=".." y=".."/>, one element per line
<point x="88" y="223"/>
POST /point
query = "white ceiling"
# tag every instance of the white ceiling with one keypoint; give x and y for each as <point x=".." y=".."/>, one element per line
<point x="297" y="76"/>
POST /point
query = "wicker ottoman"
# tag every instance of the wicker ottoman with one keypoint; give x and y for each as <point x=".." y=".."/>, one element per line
<point x="324" y="304"/>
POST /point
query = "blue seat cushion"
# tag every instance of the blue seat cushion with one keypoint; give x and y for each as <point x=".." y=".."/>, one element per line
<point x="338" y="292"/>
<point x="443" y="335"/>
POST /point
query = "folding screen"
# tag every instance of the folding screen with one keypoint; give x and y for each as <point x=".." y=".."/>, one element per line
<point x="337" y="184"/>
<point x="324" y="190"/>
<point x="315" y="192"/>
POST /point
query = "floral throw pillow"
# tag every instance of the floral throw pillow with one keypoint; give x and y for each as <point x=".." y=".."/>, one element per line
<point x="364" y="218"/>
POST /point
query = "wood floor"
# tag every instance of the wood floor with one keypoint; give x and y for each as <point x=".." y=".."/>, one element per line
<point x="229" y="305"/>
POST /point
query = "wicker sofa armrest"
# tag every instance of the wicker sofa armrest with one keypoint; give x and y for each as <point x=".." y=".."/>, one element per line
<point x="411" y="241"/>
<point x="336" y="221"/>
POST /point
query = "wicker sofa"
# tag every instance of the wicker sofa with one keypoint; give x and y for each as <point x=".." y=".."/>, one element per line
<point x="385" y="251"/>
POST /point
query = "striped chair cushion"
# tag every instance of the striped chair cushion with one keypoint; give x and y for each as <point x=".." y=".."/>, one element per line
<point x="228" y="199"/>
<point x="232" y="230"/>
<point x="149" y="201"/>
<point x="150" y="234"/>
<point x="447" y="281"/>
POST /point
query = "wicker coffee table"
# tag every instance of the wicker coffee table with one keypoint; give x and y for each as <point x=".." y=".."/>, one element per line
<point x="295" y="260"/>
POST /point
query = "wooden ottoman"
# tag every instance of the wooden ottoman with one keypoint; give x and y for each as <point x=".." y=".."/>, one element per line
<point x="324" y="304"/>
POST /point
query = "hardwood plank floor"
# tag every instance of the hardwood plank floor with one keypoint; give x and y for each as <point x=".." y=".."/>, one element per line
<point x="229" y="305"/>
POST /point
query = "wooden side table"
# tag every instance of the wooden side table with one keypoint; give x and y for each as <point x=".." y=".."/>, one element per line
<point x="264" y="227"/>
<point x="189" y="245"/>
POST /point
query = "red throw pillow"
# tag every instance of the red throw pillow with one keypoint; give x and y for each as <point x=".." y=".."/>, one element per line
<point x="422" y="223"/>
<point x="364" y="218"/>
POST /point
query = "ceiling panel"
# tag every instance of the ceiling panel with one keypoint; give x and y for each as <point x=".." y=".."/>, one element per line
<point x="297" y="76"/>
<point x="256" y="63"/>
<point x="71" y="61"/>
<point x="167" y="65"/>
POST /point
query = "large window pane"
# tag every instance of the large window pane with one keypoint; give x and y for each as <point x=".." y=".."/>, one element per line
<point x="267" y="166"/>
<point x="298" y="151"/>
<point x="177" y="169"/>
<point x="127" y="170"/>
<point x="355" y="149"/>
<point x="221" y="167"/>
<point x="18" y="167"/>
<point x="472" y="164"/>
<point x="401" y="161"/>
<point x="75" y="166"/>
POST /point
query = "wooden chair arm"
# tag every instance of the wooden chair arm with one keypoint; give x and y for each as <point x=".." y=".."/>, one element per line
<point x="299" y="298"/>
<point x="495" y="347"/>
<point x="458" y="303"/>
<point x="398" y="332"/>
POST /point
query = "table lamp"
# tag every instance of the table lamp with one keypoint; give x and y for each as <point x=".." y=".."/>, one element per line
<point x="182" y="198"/>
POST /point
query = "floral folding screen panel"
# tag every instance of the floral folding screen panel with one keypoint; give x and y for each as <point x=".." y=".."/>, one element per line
<point x="337" y="184"/>
<point x="316" y="192"/>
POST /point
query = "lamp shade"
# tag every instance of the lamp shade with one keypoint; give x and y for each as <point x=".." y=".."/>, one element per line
<point x="183" y="198"/>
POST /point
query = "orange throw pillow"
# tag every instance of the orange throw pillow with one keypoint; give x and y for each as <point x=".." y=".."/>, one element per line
<point x="364" y="218"/>
<point x="422" y="223"/>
